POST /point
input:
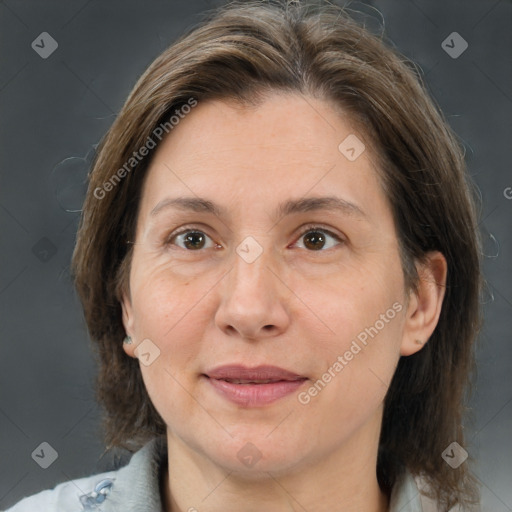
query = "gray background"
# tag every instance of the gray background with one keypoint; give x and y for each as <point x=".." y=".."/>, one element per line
<point x="54" y="110"/>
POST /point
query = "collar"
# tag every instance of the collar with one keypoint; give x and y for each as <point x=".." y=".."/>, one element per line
<point x="136" y="486"/>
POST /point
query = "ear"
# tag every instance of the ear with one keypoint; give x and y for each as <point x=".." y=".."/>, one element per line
<point x="425" y="305"/>
<point x="128" y="322"/>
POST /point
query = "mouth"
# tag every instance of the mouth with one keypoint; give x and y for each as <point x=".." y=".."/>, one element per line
<point x="253" y="387"/>
<point x="267" y="381"/>
<point x="259" y="375"/>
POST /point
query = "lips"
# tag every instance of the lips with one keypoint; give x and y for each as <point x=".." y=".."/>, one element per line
<point x="253" y="387"/>
<point x="259" y="375"/>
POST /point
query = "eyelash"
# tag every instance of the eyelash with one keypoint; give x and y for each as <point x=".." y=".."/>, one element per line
<point x="307" y="229"/>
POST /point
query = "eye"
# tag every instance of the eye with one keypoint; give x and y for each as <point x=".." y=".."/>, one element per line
<point x="191" y="239"/>
<point x="317" y="238"/>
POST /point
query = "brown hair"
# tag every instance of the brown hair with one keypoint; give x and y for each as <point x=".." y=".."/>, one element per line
<point x="241" y="53"/>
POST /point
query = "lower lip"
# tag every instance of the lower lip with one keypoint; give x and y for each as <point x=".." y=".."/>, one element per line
<point x="255" y="395"/>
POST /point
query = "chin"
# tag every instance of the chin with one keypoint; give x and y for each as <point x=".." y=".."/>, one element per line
<point x="253" y="460"/>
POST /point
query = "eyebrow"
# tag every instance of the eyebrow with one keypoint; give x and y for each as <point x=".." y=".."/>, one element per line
<point x="292" y="206"/>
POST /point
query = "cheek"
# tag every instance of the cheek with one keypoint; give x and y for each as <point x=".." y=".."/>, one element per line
<point x="168" y="312"/>
<point x="342" y="303"/>
<point x="364" y="311"/>
<point x="356" y="373"/>
<point x="160" y="295"/>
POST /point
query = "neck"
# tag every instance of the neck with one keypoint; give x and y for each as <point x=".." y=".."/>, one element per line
<point x="344" y="479"/>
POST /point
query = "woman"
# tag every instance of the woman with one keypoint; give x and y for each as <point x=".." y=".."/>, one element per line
<point x="278" y="261"/>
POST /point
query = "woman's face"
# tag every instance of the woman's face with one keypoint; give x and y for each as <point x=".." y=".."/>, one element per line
<point x="266" y="274"/>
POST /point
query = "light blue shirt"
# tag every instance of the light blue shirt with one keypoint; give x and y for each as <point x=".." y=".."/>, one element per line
<point x="135" y="488"/>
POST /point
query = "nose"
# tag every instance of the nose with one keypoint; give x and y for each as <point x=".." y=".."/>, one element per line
<point x="254" y="300"/>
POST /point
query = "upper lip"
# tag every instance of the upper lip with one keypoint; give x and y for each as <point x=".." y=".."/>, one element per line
<point x="257" y="373"/>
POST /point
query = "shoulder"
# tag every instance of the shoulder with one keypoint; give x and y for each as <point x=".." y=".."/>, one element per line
<point x="410" y="494"/>
<point x="132" y="487"/>
<point x="71" y="496"/>
<point x="405" y="496"/>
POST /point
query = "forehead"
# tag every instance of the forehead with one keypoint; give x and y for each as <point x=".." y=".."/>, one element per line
<point x="289" y="145"/>
<point x="290" y="127"/>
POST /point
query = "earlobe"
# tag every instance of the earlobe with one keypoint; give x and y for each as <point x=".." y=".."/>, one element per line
<point x="425" y="304"/>
<point x="128" y="341"/>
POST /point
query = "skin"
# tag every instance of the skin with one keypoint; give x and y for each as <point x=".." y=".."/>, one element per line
<point x="293" y="307"/>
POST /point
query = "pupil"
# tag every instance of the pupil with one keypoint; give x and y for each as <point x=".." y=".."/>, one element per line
<point x="313" y="238"/>
<point x="194" y="240"/>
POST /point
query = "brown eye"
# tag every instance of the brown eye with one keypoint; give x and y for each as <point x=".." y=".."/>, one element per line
<point x="191" y="240"/>
<point x="194" y="240"/>
<point x="316" y="239"/>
